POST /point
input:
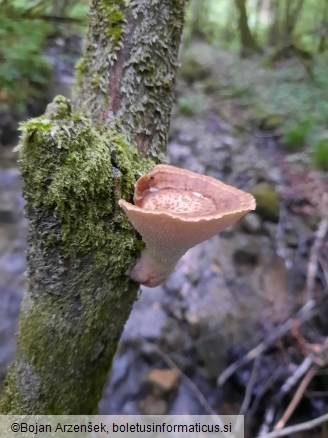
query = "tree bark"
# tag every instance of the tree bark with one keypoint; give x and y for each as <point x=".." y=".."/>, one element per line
<point x="247" y="41"/>
<point x="292" y="13"/>
<point x="323" y="29"/>
<point x="75" y="166"/>
<point x="274" y="29"/>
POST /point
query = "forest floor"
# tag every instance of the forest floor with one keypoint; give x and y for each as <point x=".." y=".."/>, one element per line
<point x="241" y="325"/>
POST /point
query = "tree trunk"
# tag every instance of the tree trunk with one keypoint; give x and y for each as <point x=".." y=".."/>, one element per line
<point x="323" y="29"/>
<point x="247" y="41"/>
<point x="292" y="13"/>
<point x="258" y="10"/>
<point x="274" y="29"/>
<point x="75" y="166"/>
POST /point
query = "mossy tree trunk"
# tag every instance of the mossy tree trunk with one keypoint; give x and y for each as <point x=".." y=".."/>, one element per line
<point x="274" y="29"/>
<point x="76" y="163"/>
<point x="247" y="41"/>
<point x="292" y="12"/>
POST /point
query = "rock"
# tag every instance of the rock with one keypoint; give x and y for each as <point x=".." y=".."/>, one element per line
<point x="251" y="223"/>
<point x="175" y="281"/>
<point x="186" y="402"/>
<point x="175" y="338"/>
<point x="178" y="153"/>
<point x="213" y="343"/>
<point x="272" y="121"/>
<point x="192" y="70"/>
<point x="186" y="138"/>
<point x="151" y="405"/>
<point x="267" y="201"/>
<point x="270" y="229"/>
<point x="163" y="381"/>
<point x="210" y="86"/>
<point x="245" y="256"/>
<point x="145" y="323"/>
<point x="127" y="373"/>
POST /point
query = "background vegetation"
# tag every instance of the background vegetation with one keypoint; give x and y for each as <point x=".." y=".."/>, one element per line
<point x="275" y="63"/>
<point x="251" y="109"/>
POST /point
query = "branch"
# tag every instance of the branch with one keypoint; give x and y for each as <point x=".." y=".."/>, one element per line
<point x="75" y="169"/>
<point x="315" y="249"/>
<point x="51" y="18"/>
<point x="306" y="312"/>
<point x="308" y="425"/>
<point x="297" y="398"/>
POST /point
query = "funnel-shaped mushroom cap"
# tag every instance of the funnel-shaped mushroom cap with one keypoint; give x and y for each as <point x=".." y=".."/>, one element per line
<point x="175" y="209"/>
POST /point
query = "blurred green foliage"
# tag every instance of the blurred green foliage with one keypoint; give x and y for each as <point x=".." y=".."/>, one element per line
<point x="320" y="154"/>
<point x="297" y="135"/>
<point x="192" y="104"/>
<point x="25" y="26"/>
<point x="285" y="88"/>
<point x="23" y="67"/>
<point x="270" y="21"/>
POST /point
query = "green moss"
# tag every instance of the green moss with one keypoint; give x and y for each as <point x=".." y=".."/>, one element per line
<point x="296" y="135"/>
<point x="267" y="201"/>
<point x="320" y="154"/>
<point x="192" y="70"/>
<point x="79" y="72"/>
<point x="80" y="245"/>
<point x="124" y="76"/>
<point x="77" y="172"/>
<point x="115" y="19"/>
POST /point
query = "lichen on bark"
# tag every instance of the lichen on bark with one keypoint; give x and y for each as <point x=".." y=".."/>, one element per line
<point x="133" y="76"/>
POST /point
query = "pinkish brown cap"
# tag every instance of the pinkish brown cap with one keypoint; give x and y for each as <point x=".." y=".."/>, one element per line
<point x="175" y="209"/>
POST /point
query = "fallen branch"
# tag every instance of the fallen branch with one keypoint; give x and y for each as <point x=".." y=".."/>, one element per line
<point x="191" y="385"/>
<point x="295" y="377"/>
<point x="249" y="387"/>
<point x="315" y="254"/>
<point x="306" y="313"/>
<point x="297" y="398"/>
<point x="301" y="427"/>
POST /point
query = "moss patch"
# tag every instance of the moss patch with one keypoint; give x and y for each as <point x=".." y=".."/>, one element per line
<point x="267" y="201"/>
<point x="79" y="173"/>
<point x="106" y="34"/>
<point x="115" y="19"/>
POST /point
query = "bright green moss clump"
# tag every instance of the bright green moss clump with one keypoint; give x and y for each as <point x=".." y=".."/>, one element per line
<point x="115" y="19"/>
<point x="78" y="173"/>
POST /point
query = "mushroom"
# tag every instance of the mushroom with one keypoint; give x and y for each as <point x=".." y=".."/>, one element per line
<point x="175" y="209"/>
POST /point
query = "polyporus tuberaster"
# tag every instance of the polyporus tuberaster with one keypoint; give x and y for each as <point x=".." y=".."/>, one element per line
<point x="175" y="209"/>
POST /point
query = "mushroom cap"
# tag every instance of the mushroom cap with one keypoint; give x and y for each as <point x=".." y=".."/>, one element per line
<point x="175" y="209"/>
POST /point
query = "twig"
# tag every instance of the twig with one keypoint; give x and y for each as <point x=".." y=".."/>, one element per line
<point x="186" y="379"/>
<point x="268" y="420"/>
<point x="306" y="312"/>
<point x="301" y="427"/>
<point x="298" y="373"/>
<point x="194" y="388"/>
<point x="297" y="398"/>
<point x="277" y="374"/>
<point x="314" y="256"/>
<point x="249" y="387"/>
<point x="55" y="18"/>
<point x="289" y="383"/>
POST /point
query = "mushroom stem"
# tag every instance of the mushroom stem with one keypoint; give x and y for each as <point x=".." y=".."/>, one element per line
<point x="175" y="209"/>
<point x="150" y="269"/>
